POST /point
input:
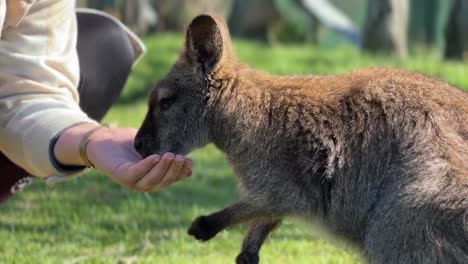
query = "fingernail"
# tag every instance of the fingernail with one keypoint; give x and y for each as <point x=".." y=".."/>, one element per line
<point x="168" y="155"/>
<point x="179" y="158"/>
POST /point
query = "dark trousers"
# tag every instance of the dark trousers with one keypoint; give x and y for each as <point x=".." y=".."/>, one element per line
<point x="106" y="58"/>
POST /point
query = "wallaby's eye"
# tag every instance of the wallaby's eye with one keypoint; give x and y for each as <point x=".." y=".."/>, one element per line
<point x="166" y="103"/>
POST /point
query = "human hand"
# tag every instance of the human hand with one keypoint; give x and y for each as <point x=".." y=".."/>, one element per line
<point x="111" y="151"/>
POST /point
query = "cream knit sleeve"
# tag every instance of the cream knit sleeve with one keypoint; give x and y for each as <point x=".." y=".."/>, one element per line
<point x="2" y="14"/>
<point x="39" y="73"/>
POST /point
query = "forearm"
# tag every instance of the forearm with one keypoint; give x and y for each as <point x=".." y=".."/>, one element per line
<point x="30" y="125"/>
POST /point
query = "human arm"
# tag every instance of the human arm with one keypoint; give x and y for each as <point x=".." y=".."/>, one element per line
<point x="39" y="108"/>
<point x="111" y="151"/>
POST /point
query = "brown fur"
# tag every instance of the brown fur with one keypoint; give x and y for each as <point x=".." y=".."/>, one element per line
<point x="380" y="155"/>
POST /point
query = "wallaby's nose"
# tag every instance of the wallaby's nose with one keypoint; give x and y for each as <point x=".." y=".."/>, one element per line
<point x="139" y="147"/>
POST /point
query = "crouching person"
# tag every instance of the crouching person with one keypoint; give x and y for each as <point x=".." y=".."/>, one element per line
<point x="60" y="72"/>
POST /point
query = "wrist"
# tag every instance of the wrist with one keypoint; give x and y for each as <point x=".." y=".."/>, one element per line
<point x="85" y="141"/>
<point x="94" y="144"/>
<point x="67" y="147"/>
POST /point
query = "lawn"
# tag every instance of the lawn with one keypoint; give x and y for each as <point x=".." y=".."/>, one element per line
<point x="92" y="220"/>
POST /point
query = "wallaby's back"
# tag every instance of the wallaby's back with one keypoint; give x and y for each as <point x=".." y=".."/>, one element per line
<point x="391" y="147"/>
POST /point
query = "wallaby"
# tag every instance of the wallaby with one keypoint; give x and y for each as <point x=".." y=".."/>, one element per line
<point x="379" y="155"/>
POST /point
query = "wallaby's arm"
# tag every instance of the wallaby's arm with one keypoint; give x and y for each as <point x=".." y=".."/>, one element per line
<point x="206" y="227"/>
<point x="254" y="239"/>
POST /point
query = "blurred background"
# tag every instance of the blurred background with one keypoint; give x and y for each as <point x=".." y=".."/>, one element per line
<point x="93" y="220"/>
<point x="396" y="27"/>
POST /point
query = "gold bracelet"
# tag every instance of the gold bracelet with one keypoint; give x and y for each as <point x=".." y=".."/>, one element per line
<point x="84" y="144"/>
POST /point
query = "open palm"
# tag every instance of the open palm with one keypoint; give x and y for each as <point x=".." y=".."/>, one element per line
<point x="111" y="151"/>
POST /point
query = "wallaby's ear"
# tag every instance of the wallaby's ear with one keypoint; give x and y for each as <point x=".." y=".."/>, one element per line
<point x="207" y="42"/>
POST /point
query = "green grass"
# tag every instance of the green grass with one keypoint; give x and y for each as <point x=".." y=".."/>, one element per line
<point x="92" y="220"/>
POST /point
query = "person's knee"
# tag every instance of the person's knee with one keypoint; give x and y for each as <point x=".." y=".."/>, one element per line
<point x="106" y="58"/>
<point x="101" y="39"/>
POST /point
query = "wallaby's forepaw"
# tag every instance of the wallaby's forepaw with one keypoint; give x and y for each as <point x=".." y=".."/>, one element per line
<point x="247" y="258"/>
<point x="203" y="229"/>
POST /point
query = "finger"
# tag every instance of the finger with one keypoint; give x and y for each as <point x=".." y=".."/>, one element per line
<point x="173" y="172"/>
<point x="154" y="177"/>
<point x="186" y="170"/>
<point x="141" y="168"/>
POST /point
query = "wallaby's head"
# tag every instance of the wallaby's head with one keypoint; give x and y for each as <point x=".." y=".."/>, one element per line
<point x="177" y="119"/>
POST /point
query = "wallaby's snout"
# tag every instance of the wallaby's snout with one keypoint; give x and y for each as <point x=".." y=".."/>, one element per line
<point x="146" y="146"/>
<point x="147" y="139"/>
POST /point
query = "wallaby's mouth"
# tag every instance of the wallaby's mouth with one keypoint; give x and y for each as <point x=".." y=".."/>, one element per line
<point x="178" y="148"/>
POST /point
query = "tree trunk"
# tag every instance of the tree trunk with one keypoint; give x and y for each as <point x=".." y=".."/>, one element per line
<point x="177" y="14"/>
<point x="253" y="18"/>
<point x="131" y="12"/>
<point x="386" y="27"/>
<point x="423" y="21"/>
<point x="96" y="4"/>
<point x="456" y="31"/>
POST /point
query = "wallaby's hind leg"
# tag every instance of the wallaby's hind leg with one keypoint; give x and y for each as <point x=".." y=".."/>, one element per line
<point x="254" y="239"/>
<point x="206" y="227"/>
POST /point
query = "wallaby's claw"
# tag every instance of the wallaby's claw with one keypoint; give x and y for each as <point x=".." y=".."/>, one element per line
<point x="202" y="229"/>
<point x="247" y="258"/>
